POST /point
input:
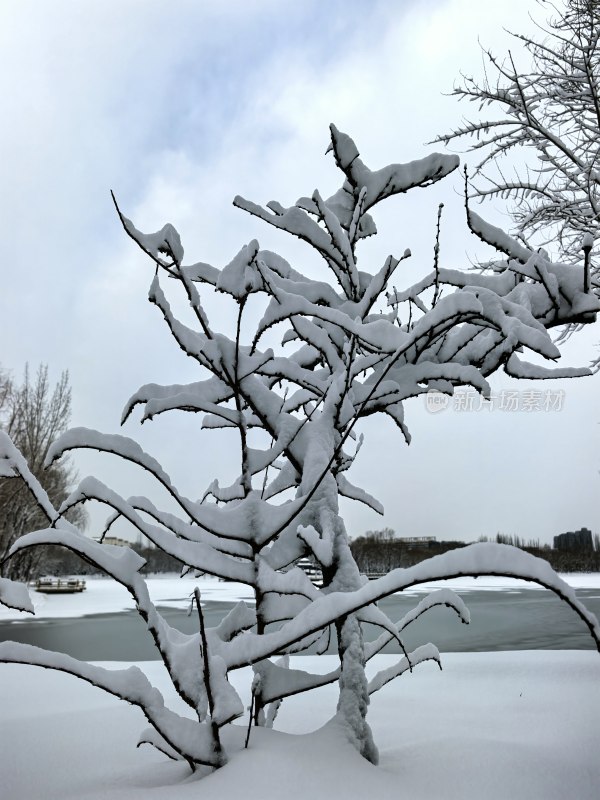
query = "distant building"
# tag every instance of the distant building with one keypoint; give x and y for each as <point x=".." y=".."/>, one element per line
<point x="416" y="541"/>
<point x="115" y="540"/>
<point x="575" y="541"/>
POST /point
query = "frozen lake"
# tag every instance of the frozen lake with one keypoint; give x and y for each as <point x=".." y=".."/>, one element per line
<point x="511" y="619"/>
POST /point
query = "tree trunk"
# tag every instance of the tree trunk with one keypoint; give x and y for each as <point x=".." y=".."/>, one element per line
<point x="354" y="698"/>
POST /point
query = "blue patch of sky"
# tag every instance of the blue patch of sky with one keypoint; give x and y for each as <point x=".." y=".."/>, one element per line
<point x="212" y="84"/>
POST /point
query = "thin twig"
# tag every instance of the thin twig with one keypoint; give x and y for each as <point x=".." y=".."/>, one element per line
<point x="250" y="718"/>
<point x="206" y="671"/>
<point x="436" y="256"/>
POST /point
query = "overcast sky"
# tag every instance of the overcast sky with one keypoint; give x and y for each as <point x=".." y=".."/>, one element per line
<point x="178" y="107"/>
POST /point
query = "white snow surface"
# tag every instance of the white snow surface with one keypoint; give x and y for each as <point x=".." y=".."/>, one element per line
<point x="490" y="725"/>
<point x="106" y="596"/>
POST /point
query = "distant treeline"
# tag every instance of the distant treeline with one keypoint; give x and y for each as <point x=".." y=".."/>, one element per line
<point x="378" y="552"/>
<point x="60" y="561"/>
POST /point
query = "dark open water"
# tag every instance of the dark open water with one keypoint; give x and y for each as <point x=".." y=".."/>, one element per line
<point x="507" y="620"/>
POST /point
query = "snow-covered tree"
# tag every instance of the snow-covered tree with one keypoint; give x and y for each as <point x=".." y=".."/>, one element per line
<point x="33" y="414"/>
<point x="548" y="108"/>
<point x="294" y="409"/>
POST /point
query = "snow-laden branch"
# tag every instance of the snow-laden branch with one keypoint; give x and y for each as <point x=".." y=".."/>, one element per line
<point x="427" y="652"/>
<point x="122" y="446"/>
<point x="440" y="597"/>
<point x="548" y="112"/>
<point x="123" y="564"/>
<point x="13" y="464"/>
<point x="193" y="741"/>
<point x="474" y="560"/>
<point x="15" y="595"/>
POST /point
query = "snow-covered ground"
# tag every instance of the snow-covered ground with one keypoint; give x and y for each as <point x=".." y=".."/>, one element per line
<point x="495" y="725"/>
<point x="104" y="596"/>
<point x="491" y="725"/>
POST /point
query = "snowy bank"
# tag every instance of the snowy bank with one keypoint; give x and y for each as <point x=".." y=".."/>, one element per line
<point x="105" y="596"/>
<point x="493" y="725"/>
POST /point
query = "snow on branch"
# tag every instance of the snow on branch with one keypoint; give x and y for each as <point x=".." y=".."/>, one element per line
<point x="193" y="741"/>
<point x="197" y="554"/>
<point x="427" y="652"/>
<point x="517" y="368"/>
<point x="13" y="464"/>
<point x="547" y="112"/>
<point x="440" y="597"/>
<point x="166" y="241"/>
<point x="15" y="595"/>
<point x="393" y="179"/>
<point x="497" y="238"/>
<point x="122" y="446"/>
<point x="474" y="560"/>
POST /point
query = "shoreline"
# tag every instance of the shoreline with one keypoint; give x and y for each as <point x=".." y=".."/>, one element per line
<point x="105" y="596"/>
